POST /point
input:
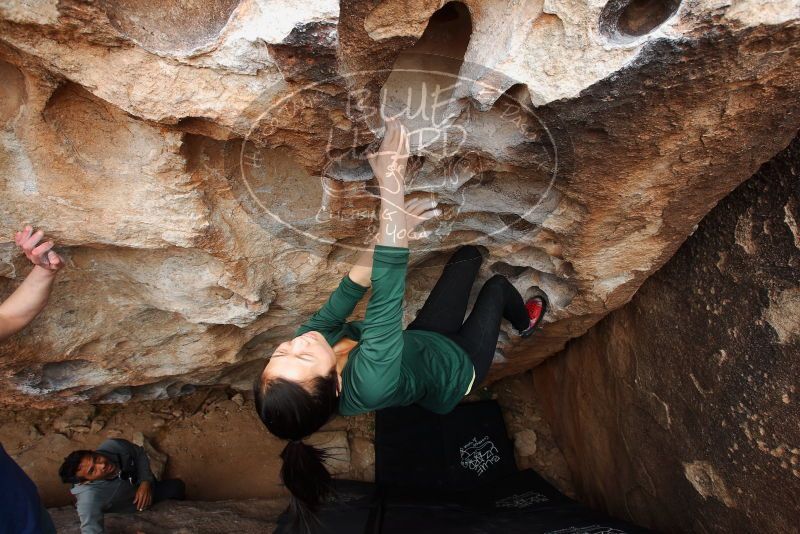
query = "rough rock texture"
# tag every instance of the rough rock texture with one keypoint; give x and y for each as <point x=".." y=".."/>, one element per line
<point x="534" y="445"/>
<point x="199" y="163"/>
<point x="680" y="410"/>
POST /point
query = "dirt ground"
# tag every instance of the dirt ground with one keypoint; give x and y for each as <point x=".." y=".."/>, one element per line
<point x="251" y="516"/>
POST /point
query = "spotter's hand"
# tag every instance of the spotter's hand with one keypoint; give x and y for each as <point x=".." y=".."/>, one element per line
<point x="144" y="496"/>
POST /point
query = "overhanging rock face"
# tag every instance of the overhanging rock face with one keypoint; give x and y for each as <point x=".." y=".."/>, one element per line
<point x="200" y="164"/>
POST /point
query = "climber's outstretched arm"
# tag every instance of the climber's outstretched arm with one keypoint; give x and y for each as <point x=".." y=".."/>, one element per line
<point x="398" y="216"/>
<point x="389" y="167"/>
<point x="31" y="296"/>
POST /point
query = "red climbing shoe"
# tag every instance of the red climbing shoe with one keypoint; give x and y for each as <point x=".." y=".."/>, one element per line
<point x="536" y="307"/>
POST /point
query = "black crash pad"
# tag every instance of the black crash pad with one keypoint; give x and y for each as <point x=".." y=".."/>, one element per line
<point x="453" y="473"/>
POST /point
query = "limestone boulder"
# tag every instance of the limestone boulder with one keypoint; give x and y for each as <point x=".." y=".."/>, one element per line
<point x="201" y="164"/>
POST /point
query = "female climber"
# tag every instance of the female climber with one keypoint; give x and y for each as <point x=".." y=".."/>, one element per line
<point x="354" y="367"/>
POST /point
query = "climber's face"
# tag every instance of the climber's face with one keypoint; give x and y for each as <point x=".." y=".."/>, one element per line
<point x="301" y="359"/>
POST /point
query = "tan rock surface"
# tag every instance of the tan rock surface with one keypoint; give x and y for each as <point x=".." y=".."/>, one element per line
<point x="581" y="144"/>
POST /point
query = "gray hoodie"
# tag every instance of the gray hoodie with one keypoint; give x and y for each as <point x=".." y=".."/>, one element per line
<point x="116" y="495"/>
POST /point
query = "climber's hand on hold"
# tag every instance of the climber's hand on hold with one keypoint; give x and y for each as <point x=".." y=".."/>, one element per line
<point x="390" y="161"/>
<point x="40" y="255"/>
<point x="418" y="210"/>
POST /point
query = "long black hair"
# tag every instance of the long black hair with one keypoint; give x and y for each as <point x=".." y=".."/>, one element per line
<point x="69" y="467"/>
<point x="294" y="411"/>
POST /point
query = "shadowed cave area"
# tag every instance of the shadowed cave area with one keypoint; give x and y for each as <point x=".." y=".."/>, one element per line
<point x="201" y="168"/>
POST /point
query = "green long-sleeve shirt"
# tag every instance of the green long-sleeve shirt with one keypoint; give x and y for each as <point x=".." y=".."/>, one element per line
<point x="390" y="366"/>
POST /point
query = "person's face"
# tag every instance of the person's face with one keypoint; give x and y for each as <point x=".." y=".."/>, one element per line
<point x="301" y="359"/>
<point x="95" y="467"/>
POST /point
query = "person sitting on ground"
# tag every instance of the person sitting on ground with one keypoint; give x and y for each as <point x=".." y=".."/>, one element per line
<point x="21" y="509"/>
<point x="355" y="367"/>
<point x="115" y="478"/>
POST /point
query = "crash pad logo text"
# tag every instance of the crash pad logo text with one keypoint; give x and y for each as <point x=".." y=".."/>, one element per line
<point x="479" y="454"/>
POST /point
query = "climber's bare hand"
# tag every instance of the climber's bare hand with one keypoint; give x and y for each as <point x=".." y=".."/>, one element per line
<point x="40" y="255"/>
<point x="418" y="210"/>
<point x="389" y="162"/>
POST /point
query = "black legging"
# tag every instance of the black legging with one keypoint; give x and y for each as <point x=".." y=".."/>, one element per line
<point x="443" y="311"/>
